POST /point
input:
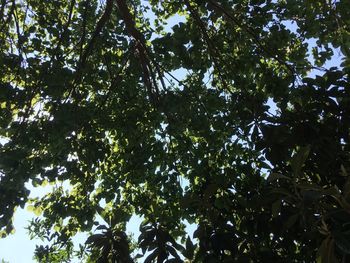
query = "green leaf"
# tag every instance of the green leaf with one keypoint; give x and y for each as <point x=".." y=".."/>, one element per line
<point x="342" y="243"/>
<point x="291" y="221"/>
<point x="152" y="256"/>
<point x="276" y="208"/>
<point x="190" y="248"/>
<point x="275" y="176"/>
<point x="299" y="159"/>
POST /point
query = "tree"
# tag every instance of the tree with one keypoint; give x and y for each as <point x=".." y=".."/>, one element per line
<point x="250" y="142"/>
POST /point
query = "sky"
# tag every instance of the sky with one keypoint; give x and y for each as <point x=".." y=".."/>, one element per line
<point x="18" y="248"/>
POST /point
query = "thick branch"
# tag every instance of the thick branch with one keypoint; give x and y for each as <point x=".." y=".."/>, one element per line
<point x="148" y="74"/>
<point x="99" y="26"/>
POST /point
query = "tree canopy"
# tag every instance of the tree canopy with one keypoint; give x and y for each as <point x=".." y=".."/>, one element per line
<point x="229" y="119"/>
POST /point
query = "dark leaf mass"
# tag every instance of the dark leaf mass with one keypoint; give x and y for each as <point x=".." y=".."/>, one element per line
<point x="231" y="118"/>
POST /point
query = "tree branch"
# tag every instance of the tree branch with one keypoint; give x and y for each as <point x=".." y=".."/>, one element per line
<point x="99" y="26"/>
<point x="148" y="74"/>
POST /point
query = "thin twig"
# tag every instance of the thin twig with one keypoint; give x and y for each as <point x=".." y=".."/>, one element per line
<point x="84" y="55"/>
<point x="65" y="28"/>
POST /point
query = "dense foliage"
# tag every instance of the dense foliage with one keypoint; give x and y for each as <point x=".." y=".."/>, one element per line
<point x="229" y="119"/>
